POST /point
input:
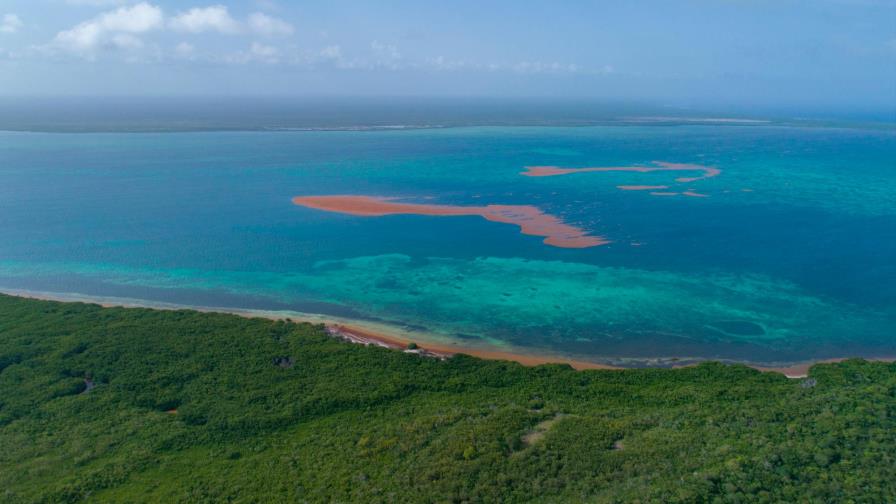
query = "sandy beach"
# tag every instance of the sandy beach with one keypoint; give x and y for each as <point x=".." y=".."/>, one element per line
<point x="396" y="338"/>
<point x="367" y="336"/>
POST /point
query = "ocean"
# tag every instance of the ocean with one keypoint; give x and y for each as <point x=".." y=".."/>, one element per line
<point x="785" y="252"/>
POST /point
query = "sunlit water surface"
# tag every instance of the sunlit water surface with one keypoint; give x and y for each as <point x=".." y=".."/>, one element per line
<point x="790" y="255"/>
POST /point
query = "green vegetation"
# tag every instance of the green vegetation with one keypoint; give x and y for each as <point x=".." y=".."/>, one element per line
<point x="133" y="405"/>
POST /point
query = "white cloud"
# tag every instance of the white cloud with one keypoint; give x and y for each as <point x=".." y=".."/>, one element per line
<point x="330" y="56"/>
<point x="265" y="53"/>
<point x="111" y="29"/>
<point x="268" y="5"/>
<point x="386" y="51"/>
<point x="333" y="52"/>
<point x="126" y="41"/>
<point x="537" y="67"/>
<point x="257" y="53"/>
<point x="139" y="18"/>
<point x="84" y="37"/>
<point x="524" y="67"/>
<point x="269" y="26"/>
<point x="184" y="49"/>
<point x="10" y="23"/>
<point x="385" y="55"/>
<point x="442" y="63"/>
<point x="122" y="29"/>
<point x="203" y="19"/>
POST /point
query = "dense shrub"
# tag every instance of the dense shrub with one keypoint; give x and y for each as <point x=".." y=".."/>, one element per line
<point x="198" y="407"/>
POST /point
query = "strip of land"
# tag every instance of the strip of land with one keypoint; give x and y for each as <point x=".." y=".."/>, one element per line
<point x="397" y="338"/>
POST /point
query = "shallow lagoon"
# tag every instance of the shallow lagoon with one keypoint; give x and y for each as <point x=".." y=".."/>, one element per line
<point x="789" y="257"/>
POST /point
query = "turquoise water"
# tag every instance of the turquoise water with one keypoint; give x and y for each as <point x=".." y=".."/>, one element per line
<point x="790" y="257"/>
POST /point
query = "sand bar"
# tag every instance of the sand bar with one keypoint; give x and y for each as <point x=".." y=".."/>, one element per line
<point x="530" y="219"/>
<point x="550" y="171"/>
<point x="641" y="187"/>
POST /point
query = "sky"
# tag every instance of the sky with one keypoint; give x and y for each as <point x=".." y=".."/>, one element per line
<point x="765" y="52"/>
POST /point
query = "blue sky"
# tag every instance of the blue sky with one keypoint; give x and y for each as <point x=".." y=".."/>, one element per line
<point x="814" y="52"/>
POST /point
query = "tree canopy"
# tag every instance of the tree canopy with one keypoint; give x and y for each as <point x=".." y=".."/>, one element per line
<point x="133" y="405"/>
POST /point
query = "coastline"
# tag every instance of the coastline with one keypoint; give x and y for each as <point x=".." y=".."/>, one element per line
<point x="362" y="335"/>
<point x="371" y="333"/>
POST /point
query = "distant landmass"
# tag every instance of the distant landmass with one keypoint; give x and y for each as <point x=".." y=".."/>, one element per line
<point x="284" y="113"/>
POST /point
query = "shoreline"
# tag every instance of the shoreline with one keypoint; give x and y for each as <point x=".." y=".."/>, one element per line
<point x="362" y="335"/>
<point x="395" y="338"/>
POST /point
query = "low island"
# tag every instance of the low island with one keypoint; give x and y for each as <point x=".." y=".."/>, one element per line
<point x="131" y="404"/>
